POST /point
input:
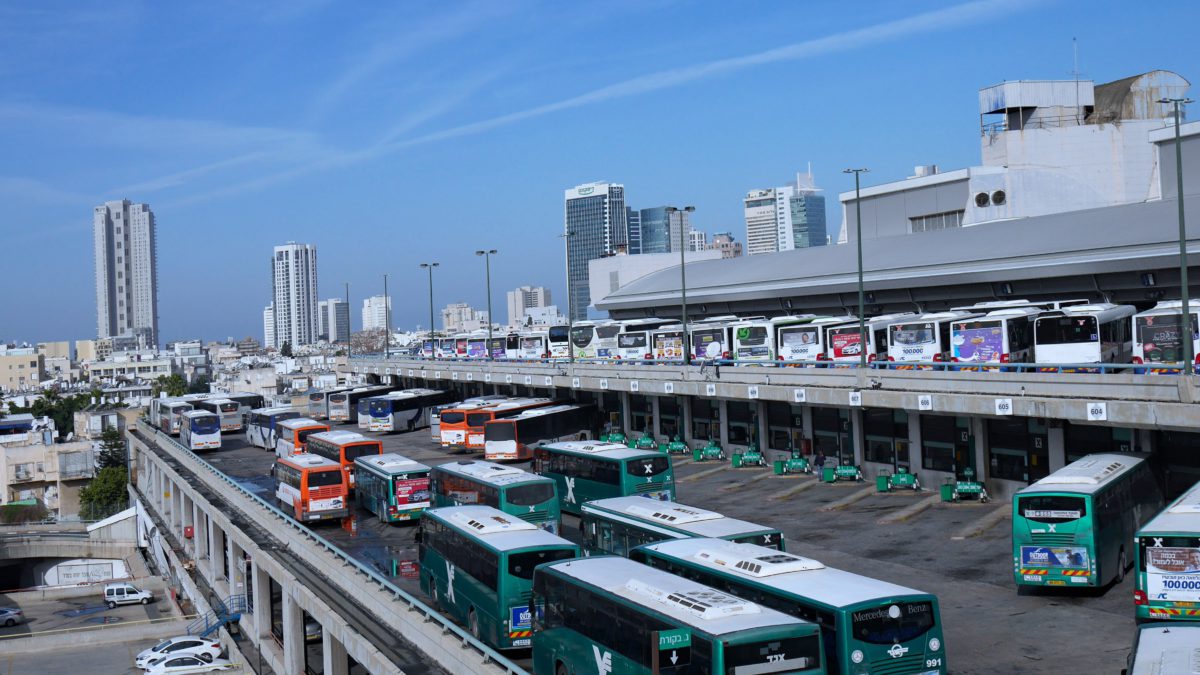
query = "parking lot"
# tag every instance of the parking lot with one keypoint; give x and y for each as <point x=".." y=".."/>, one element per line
<point x="943" y="549"/>
<point x="86" y="612"/>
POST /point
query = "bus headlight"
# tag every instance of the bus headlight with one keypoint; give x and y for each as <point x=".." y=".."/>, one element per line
<point x="856" y="656"/>
<point x="934" y="644"/>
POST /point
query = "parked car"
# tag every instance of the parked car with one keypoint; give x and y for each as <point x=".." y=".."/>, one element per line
<point x="206" y="649"/>
<point x="11" y="616"/>
<point x="188" y="664"/>
<point x="125" y="594"/>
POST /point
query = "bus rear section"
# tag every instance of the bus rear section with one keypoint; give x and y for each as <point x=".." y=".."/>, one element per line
<point x="200" y="430"/>
<point x="311" y="488"/>
<point x="514" y="438"/>
<point x="292" y="434"/>
<point x="808" y="343"/>
<point x="924" y="340"/>
<point x="1081" y="334"/>
<point x="343" y="447"/>
<point x="668" y="343"/>
<point x="533" y="347"/>
<point x="846" y="343"/>
<point x="1158" y="339"/>
<point x="526" y="495"/>
<point x="1000" y="337"/>
<point x="587" y="470"/>
<point x="1168" y="563"/>
<point x="558" y="341"/>
<point x="476" y="419"/>
<point x="262" y="425"/>
<point x="393" y="487"/>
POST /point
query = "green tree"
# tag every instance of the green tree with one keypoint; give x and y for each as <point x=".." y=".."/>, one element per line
<point x="53" y="405"/>
<point x="105" y="495"/>
<point x="286" y="350"/>
<point x="112" y="449"/>
<point x="173" y="385"/>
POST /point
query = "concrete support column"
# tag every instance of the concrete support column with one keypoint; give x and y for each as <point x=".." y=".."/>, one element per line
<point x="200" y="532"/>
<point x="217" y="542"/>
<point x="334" y="655"/>
<point x="626" y="409"/>
<point x="983" y="470"/>
<point x="293" y="634"/>
<point x="915" y="454"/>
<point x="760" y="430"/>
<point x="237" y="578"/>
<point x="1056" y="447"/>
<point x="685" y="419"/>
<point x="654" y="416"/>
<point x="723" y="413"/>
<point x="806" y="417"/>
<point x="262" y="602"/>
<point x="858" y="439"/>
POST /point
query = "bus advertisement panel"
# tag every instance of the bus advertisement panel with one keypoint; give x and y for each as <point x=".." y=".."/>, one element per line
<point x="845" y="343"/>
<point x="1168" y="563"/>
<point x="978" y="342"/>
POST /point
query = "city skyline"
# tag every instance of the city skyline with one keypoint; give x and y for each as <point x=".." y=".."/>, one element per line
<point x="276" y="174"/>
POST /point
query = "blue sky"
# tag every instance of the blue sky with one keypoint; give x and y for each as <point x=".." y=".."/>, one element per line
<point x="394" y="133"/>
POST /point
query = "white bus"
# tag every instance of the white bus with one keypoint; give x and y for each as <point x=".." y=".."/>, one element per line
<point x="229" y="412"/>
<point x="998" y="337"/>
<point x="246" y="402"/>
<point x="318" y="402"/>
<point x="292" y="434"/>
<point x="558" y="341"/>
<point x="633" y="342"/>
<point x="667" y="342"/>
<point x="1157" y="337"/>
<point x="165" y="413"/>
<point x="1098" y="333"/>
<point x="407" y="409"/>
<point x="343" y="405"/>
<point x="807" y="342"/>
<point x="514" y="438"/>
<point x="846" y="344"/>
<point x="446" y="348"/>
<point x="595" y="339"/>
<point x="924" y="338"/>
<point x="505" y="347"/>
<point x="262" y="425"/>
<point x="477" y="346"/>
<point x="533" y="345"/>
<point x="200" y="430"/>
<point x="756" y="340"/>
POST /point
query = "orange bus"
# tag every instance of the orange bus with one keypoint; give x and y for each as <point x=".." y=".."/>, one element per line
<point x="514" y="438"/>
<point x="311" y="487"/>
<point x="452" y="420"/>
<point x="343" y="447"/>
<point x="293" y="433"/>
<point x="475" y="419"/>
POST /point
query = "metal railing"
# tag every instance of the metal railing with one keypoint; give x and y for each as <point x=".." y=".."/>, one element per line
<point x="398" y="593"/>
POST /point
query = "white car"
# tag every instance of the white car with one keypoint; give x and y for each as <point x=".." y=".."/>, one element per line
<point x="188" y="664"/>
<point x="206" y="649"/>
<point x="11" y="616"/>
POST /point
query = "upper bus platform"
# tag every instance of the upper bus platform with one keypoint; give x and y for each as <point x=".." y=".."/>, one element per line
<point x="690" y="519"/>
<point x="490" y="473"/>
<point x="496" y="529"/>
<point x="1086" y="475"/>
<point x="684" y="600"/>
<point x="786" y="572"/>
<point x="600" y="449"/>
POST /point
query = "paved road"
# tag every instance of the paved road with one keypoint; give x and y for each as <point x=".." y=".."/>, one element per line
<point x="989" y="628"/>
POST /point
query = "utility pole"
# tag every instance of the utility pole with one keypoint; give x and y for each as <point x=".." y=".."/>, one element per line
<point x="862" y="321"/>
<point x="1186" y="334"/>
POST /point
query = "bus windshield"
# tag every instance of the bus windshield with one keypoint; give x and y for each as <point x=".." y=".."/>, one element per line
<point x="582" y="336"/>
<point x="893" y="624"/>
<point x="1063" y="330"/>
<point x="380" y="408"/>
<point x="505" y="431"/>
<point x="1052" y="509"/>
<point x="452" y="417"/>
<point x="752" y="335"/>
<point x="798" y="337"/>
<point x="648" y="466"/>
<point x="477" y="419"/>
<point x="325" y="478"/>
<point x="303" y="434"/>
<point x="913" y="334"/>
<point x="229" y="407"/>
<point x="521" y="565"/>
<point x="529" y="495"/>
<point x="353" y="452"/>
<point x="783" y="655"/>
<point x="557" y="333"/>
<point x="206" y="425"/>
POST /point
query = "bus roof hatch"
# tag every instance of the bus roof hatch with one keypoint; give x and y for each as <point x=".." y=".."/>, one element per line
<point x="755" y="565"/>
<point x="705" y="604"/>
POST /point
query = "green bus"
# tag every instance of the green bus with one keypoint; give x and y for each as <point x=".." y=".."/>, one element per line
<point x="618" y="524"/>
<point x="1168" y="562"/>
<point x="1075" y="527"/>
<point x="867" y="625"/>
<point x="477" y="567"/>
<point x="393" y="487"/>
<point x="611" y="615"/>
<point x="515" y="491"/>
<point x="588" y="470"/>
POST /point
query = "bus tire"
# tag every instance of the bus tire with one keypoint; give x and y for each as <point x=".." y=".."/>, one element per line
<point x="473" y="623"/>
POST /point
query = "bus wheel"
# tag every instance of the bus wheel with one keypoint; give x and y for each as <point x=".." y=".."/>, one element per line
<point x="1121" y="564"/>
<point x="473" y="623"/>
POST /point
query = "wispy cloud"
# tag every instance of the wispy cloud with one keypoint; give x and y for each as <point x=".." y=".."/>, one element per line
<point x="30" y="189"/>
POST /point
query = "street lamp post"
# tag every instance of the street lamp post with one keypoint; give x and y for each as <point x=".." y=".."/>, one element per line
<point x="862" y="310"/>
<point x="566" y="237"/>
<point x="1185" y="328"/>
<point x="487" y="259"/>
<point x="387" y="320"/>
<point x="683" y="236"/>
<point x="429" y="266"/>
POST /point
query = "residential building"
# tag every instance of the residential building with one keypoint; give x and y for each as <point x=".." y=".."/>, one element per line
<point x="128" y="366"/>
<point x="723" y="242"/>
<point x="594" y="224"/>
<point x="248" y="345"/>
<point x="21" y="372"/>
<point x="608" y="275"/>
<point x="785" y="218"/>
<point x="32" y="466"/>
<point x="91" y="422"/>
<point x="375" y="312"/>
<point x="461" y="318"/>
<point x="633" y="226"/>
<point x="294" y="284"/>
<point x="85" y="350"/>
<point x="523" y="299"/>
<point x="660" y="228"/>
<point x="335" y="320"/>
<point x="543" y="316"/>
<point x="269" y="325"/>
<point x="52" y="350"/>
<point x="104" y="348"/>
<point x="697" y="240"/>
<point x="126" y="262"/>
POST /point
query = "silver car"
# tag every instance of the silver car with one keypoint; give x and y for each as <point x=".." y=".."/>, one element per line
<point x="11" y="616"/>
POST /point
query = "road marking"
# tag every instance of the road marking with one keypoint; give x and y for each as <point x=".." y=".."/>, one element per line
<point x="795" y="490"/>
<point x="987" y="522"/>
<point x="849" y="499"/>
<point x="734" y="486"/>
<point x="909" y="511"/>
<point x="681" y="462"/>
<point x="700" y="474"/>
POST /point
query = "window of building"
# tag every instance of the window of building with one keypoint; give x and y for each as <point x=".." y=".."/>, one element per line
<point x="886" y="435"/>
<point x="935" y="221"/>
<point x="1018" y="449"/>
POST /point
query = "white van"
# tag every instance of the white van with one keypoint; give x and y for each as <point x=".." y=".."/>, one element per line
<point x="125" y="594"/>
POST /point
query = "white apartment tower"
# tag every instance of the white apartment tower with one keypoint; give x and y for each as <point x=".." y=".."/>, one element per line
<point x="521" y="300"/>
<point x="294" y="282"/>
<point x="126" y="271"/>
<point x="269" y="326"/>
<point x="375" y="312"/>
